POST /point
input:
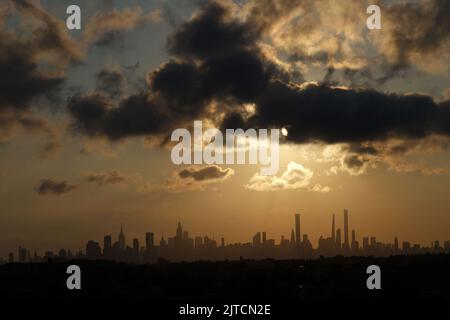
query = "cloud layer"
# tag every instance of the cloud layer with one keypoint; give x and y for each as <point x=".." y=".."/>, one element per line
<point x="218" y="60"/>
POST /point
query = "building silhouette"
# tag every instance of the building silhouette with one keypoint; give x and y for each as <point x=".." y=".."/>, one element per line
<point x="297" y="229"/>
<point x="346" y="243"/>
<point x="181" y="247"/>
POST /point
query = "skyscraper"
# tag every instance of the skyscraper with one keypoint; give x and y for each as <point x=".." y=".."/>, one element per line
<point x="333" y="230"/>
<point x="297" y="229"/>
<point x="121" y="239"/>
<point x="353" y="238"/>
<point x="179" y="231"/>
<point x="149" y="240"/>
<point x="107" y="246"/>
<point x="93" y="250"/>
<point x="257" y="239"/>
<point x="346" y="244"/>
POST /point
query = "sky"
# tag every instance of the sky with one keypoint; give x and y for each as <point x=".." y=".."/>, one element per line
<point x="86" y="117"/>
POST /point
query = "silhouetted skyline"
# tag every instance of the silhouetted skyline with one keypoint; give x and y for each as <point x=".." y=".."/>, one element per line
<point x="181" y="247"/>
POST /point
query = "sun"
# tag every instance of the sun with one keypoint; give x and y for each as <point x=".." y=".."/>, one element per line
<point x="284" y="132"/>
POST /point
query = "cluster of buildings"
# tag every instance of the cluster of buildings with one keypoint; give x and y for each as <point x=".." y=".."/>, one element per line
<point x="181" y="247"/>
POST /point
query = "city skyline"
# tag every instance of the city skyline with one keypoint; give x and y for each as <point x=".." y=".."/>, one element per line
<point x="181" y="247"/>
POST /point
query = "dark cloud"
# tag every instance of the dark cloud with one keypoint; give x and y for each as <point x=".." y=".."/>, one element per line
<point x="181" y="90"/>
<point x="51" y="186"/>
<point x="50" y="35"/>
<point x="22" y="81"/>
<point x="418" y="27"/>
<point x="205" y="173"/>
<point x="181" y="84"/>
<point x="107" y="177"/>
<point x="216" y="58"/>
<point x="89" y="112"/>
<point x="327" y="114"/>
<point x="211" y="33"/>
<point x="25" y="77"/>
<point x="353" y="161"/>
<point x="111" y="82"/>
<point x="242" y="75"/>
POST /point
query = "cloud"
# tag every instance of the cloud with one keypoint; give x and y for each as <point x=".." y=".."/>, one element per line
<point x="320" y="188"/>
<point x="49" y="35"/>
<point x="207" y="173"/>
<point x="191" y="178"/>
<point x="218" y="59"/>
<point x="295" y="177"/>
<point x="50" y="149"/>
<point x="417" y="34"/>
<point x="32" y="61"/>
<point x="105" y="27"/>
<point x="111" y="81"/>
<point x="329" y="114"/>
<point x="51" y="186"/>
<point x="182" y="89"/>
<point x="95" y="115"/>
<point x="212" y="32"/>
<point x="325" y="33"/>
<point x="107" y="177"/>
<point x="397" y="155"/>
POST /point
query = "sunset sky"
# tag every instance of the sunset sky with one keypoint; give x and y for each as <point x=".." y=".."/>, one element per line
<point x="86" y="115"/>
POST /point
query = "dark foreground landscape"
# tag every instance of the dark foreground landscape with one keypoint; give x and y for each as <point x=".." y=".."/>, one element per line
<point x="402" y="277"/>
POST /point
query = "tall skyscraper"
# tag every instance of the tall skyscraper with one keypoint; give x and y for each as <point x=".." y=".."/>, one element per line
<point x="179" y="231"/>
<point x="257" y="239"/>
<point x="149" y="240"/>
<point x="396" y="244"/>
<point x="297" y="229"/>
<point x="346" y="243"/>
<point x="264" y="238"/>
<point x="353" y="238"/>
<point x="121" y="239"/>
<point x="107" y="246"/>
<point x="333" y="230"/>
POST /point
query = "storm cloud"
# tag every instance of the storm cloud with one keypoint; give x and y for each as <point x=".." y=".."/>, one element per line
<point x="217" y="58"/>
<point x="328" y="114"/>
<point x="181" y="90"/>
